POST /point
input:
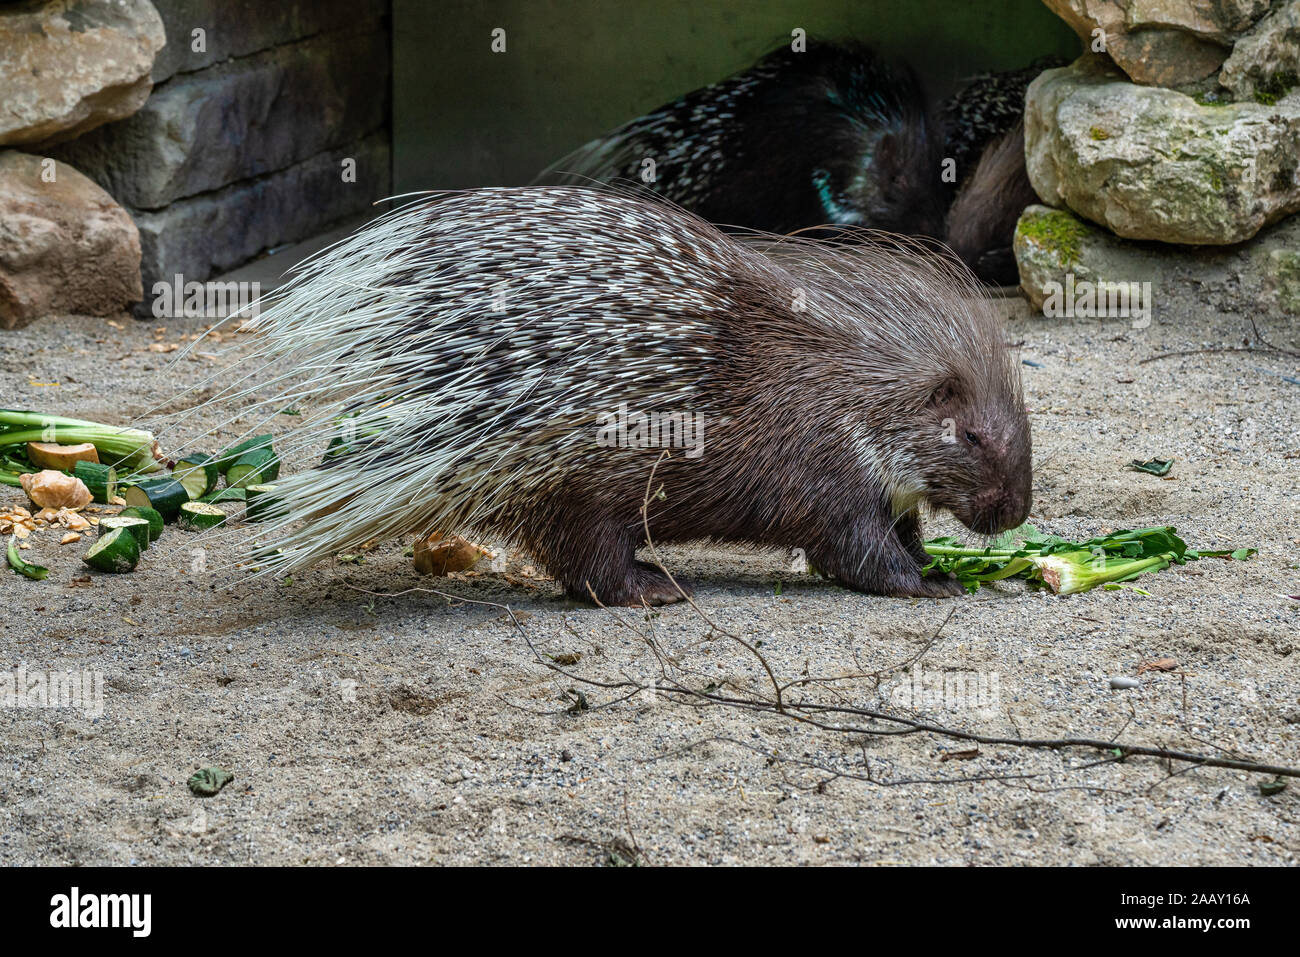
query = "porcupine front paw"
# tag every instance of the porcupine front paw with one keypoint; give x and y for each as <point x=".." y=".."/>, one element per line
<point x="912" y="584"/>
<point x="907" y="528"/>
<point x="941" y="586"/>
<point x="935" y="584"/>
<point x="870" y="556"/>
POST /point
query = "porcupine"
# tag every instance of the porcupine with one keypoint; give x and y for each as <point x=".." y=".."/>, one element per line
<point x="836" y="136"/>
<point x="472" y="340"/>
<point x="829" y="135"/>
<point x="983" y="131"/>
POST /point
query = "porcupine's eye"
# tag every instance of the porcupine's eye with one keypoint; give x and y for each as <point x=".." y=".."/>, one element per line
<point x="972" y="438"/>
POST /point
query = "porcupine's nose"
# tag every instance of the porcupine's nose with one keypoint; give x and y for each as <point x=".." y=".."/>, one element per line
<point x="1015" y="508"/>
<point x="1000" y="507"/>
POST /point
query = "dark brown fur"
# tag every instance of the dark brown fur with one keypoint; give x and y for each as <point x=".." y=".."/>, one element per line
<point x="982" y="219"/>
<point x="779" y="471"/>
<point x="768" y="480"/>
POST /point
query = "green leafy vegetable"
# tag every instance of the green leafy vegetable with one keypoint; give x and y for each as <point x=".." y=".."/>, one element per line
<point x="1152" y="466"/>
<point x="206" y="782"/>
<point x="1269" y="788"/>
<point x="1067" y="567"/>
<point x="11" y="467"/>
<point x="357" y="429"/>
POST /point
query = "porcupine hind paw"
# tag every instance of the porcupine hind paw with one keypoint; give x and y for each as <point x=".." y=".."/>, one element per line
<point x="644" y="584"/>
<point x="650" y="585"/>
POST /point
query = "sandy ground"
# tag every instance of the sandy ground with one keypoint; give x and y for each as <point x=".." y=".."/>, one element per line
<point x="411" y="730"/>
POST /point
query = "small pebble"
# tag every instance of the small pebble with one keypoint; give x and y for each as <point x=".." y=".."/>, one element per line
<point x="566" y="755"/>
<point x="1121" y="682"/>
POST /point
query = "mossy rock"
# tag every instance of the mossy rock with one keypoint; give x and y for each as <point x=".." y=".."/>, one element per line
<point x="1151" y="163"/>
<point x="1052" y="231"/>
<point x="1057" y="250"/>
<point x="1284" y="279"/>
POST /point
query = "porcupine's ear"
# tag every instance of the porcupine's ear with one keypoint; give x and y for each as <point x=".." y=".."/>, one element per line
<point x="889" y="158"/>
<point x="945" y="394"/>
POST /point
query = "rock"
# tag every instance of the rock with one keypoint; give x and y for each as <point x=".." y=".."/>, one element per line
<point x="1053" y="245"/>
<point x="247" y="26"/>
<point x="206" y="130"/>
<point x="1265" y="63"/>
<point x="1164" y="42"/>
<point x="1121" y="682"/>
<point x="68" y="66"/>
<point x="65" y="246"/>
<point x="1151" y="163"/>
<point x="1050" y="245"/>
<point x="217" y="231"/>
<point x="1280" y="268"/>
<point x="1220" y="20"/>
<point x="1165" y="57"/>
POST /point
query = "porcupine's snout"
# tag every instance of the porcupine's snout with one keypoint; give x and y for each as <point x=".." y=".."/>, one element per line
<point x="1003" y="499"/>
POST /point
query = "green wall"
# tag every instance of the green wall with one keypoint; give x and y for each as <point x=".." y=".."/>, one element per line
<point x="465" y="116"/>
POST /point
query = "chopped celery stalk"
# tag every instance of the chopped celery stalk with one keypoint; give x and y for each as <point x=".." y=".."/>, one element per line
<point x="133" y="448"/>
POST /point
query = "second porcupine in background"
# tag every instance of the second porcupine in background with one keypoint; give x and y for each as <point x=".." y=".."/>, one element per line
<point x="473" y="344"/>
<point x="834" y="136"/>
<point x="830" y="135"/>
<point x="983" y="128"/>
<point x="982" y="220"/>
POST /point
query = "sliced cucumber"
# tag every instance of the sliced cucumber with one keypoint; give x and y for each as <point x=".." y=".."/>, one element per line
<point x="198" y="473"/>
<point x="150" y="515"/>
<point x="163" y="494"/>
<point x="225" y="495"/>
<point x="115" y="552"/>
<point x="253" y="468"/>
<point x="263" y="503"/>
<point x="231" y="455"/>
<point x="201" y="516"/>
<point x="100" y="479"/>
<point x="138" y="527"/>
